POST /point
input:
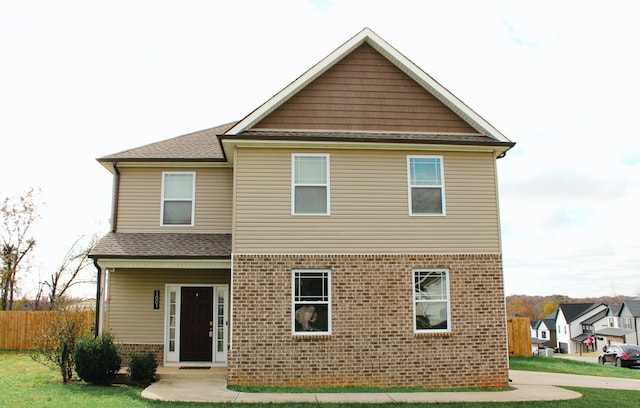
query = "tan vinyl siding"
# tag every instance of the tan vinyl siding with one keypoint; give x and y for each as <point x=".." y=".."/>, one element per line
<point x="365" y="92"/>
<point x="131" y="316"/>
<point x="369" y="205"/>
<point x="140" y="200"/>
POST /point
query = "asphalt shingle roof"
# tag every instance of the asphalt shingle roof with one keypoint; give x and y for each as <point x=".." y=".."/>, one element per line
<point x="197" y="146"/>
<point x="163" y="246"/>
<point x="204" y="145"/>
<point x="613" y="331"/>
<point x="573" y="310"/>
<point x="595" y="318"/>
<point x="614" y="310"/>
<point x="633" y="306"/>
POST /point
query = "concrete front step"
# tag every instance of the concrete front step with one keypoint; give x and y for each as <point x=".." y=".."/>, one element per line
<point x="218" y="373"/>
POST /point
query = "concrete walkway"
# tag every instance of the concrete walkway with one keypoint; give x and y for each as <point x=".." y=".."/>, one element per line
<point x="527" y="386"/>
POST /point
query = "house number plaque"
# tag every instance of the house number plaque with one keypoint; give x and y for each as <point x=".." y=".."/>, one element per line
<point x="156" y="299"/>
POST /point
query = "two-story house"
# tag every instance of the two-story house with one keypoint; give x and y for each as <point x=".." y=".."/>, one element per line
<point x="574" y="325"/>
<point x="611" y="330"/>
<point x="543" y="331"/>
<point x="345" y="232"/>
<point x="630" y="320"/>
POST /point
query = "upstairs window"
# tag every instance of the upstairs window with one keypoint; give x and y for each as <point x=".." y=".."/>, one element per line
<point x="178" y="198"/>
<point x="426" y="185"/>
<point x="431" y="300"/>
<point x="310" y="184"/>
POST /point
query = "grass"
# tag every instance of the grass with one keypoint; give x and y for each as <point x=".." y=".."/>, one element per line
<point x="24" y="383"/>
<point x="566" y="366"/>
<point x="349" y="389"/>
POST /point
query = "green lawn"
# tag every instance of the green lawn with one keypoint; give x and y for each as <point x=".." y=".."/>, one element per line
<point x="566" y="366"/>
<point x="24" y="383"/>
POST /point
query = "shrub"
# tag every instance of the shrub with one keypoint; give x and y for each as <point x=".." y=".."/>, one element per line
<point x="142" y="367"/>
<point x="98" y="359"/>
<point x="55" y="345"/>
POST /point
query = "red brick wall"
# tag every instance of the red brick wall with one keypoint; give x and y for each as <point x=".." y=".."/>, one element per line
<point x="372" y="341"/>
<point x="129" y="349"/>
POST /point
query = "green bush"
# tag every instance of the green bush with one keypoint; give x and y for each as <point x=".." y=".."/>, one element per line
<point x="142" y="367"/>
<point x="97" y="359"/>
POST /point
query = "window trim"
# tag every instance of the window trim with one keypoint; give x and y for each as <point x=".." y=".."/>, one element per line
<point x="441" y="186"/>
<point x="293" y="303"/>
<point x="293" y="183"/>
<point x="193" y="199"/>
<point x="415" y="302"/>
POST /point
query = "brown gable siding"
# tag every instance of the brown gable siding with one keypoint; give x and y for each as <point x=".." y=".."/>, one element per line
<point x="365" y="92"/>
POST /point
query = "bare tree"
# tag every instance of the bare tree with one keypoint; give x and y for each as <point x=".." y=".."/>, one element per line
<point x="17" y="215"/>
<point x="69" y="273"/>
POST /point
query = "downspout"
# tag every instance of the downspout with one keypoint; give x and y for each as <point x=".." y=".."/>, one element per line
<point x="98" y="291"/>
<point x="116" y="194"/>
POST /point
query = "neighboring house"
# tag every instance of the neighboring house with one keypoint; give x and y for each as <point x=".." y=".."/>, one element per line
<point x="346" y="232"/>
<point x="536" y="342"/>
<point x="534" y="328"/>
<point x="545" y="331"/>
<point x="630" y="319"/>
<point x="589" y="326"/>
<point x="570" y="331"/>
<point x="543" y="334"/>
<point x="608" y="330"/>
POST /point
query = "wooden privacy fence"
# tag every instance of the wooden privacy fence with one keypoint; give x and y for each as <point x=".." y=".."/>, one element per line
<point x="17" y="328"/>
<point x="519" y="335"/>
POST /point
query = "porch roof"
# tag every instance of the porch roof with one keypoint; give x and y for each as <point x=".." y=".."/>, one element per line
<point x="580" y="337"/>
<point x="163" y="246"/>
<point x="613" y="331"/>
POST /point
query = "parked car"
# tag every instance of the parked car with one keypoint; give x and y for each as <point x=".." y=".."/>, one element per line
<point x="624" y="355"/>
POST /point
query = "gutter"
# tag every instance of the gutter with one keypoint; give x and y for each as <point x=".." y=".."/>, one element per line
<point x="116" y="194"/>
<point x="98" y="311"/>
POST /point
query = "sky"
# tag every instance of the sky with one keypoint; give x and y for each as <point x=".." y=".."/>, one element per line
<point x="84" y="79"/>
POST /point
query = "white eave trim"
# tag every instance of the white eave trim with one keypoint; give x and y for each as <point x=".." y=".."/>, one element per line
<point x="231" y="143"/>
<point x="112" y="263"/>
<point x="403" y="63"/>
<point x="163" y="164"/>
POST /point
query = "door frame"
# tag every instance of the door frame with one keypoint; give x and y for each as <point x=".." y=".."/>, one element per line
<point x="172" y="357"/>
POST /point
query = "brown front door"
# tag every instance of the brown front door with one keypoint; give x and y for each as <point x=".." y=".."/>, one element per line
<point x="196" y="324"/>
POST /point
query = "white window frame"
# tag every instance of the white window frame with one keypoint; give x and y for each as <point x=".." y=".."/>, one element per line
<point x="172" y="356"/>
<point x="294" y="184"/>
<point x="410" y="186"/>
<point x="192" y="199"/>
<point x="416" y="301"/>
<point x="626" y="323"/>
<point x="294" y="302"/>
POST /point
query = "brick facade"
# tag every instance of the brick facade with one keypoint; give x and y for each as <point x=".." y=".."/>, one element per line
<point x="128" y="349"/>
<point x="372" y="342"/>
